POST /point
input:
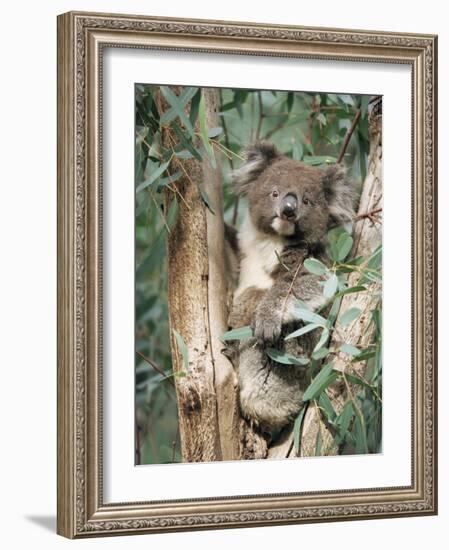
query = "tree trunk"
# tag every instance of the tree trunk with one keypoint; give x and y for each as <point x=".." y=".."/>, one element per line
<point x="209" y="420"/>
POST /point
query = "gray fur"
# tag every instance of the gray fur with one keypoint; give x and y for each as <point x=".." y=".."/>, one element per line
<point x="270" y="393"/>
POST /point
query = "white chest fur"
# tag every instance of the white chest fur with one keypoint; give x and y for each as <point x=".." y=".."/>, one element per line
<point x="258" y="257"/>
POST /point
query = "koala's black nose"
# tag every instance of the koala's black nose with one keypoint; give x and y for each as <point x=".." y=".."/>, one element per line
<point x="289" y="205"/>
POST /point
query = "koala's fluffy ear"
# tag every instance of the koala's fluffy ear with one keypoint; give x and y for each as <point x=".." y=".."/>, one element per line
<point x="257" y="158"/>
<point x="340" y="196"/>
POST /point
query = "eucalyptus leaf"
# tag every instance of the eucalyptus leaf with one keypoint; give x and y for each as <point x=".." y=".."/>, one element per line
<point x="351" y="290"/>
<point x="182" y="348"/>
<point x="285" y="358"/>
<point x="309" y="316"/>
<point x="297" y="429"/>
<point x="324" y="378"/>
<point x="349" y="316"/>
<point x="318" y="160"/>
<point x="315" y="266"/>
<point x="320" y="354"/>
<point x="153" y="177"/>
<point x="186" y="142"/>
<point x="178" y="105"/>
<point x="214" y="132"/>
<point x="330" y="287"/>
<point x="350" y="350"/>
<point x="344" y="245"/>
<point x="302" y="330"/>
<point x="241" y="333"/>
<point x="322" y="341"/>
<point x="205" y="198"/>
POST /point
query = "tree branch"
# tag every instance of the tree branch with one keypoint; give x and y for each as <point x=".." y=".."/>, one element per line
<point x="348" y="135"/>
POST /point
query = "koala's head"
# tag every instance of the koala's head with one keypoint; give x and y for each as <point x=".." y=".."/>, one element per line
<point x="290" y="198"/>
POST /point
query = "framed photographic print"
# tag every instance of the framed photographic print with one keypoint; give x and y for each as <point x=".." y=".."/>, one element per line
<point x="246" y="274"/>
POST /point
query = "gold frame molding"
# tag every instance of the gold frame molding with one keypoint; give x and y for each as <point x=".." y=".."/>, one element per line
<point x="81" y="38"/>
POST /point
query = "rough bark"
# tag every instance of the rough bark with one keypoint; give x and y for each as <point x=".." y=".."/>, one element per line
<point x="218" y="287"/>
<point x="359" y="333"/>
<point x="210" y="425"/>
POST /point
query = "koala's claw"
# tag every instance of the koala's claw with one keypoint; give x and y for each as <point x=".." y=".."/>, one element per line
<point x="267" y="330"/>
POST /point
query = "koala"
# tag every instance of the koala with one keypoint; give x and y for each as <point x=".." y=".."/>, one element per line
<point x="291" y="206"/>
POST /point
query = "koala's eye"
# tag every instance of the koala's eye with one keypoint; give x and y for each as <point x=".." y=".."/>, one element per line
<point x="275" y="193"/>
<point x="305" y="200"/>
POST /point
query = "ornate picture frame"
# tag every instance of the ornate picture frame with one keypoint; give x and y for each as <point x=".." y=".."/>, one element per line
<point x="82" y="39"/>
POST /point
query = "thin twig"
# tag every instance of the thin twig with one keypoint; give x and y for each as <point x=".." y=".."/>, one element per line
<point x="176" y="191"/>
<point x="276" y="128"/>
<point x="155" y="367"/>
<point x="348" y="135"/>
<point x="371" y="215"/>
<point x="259" y="124"/>
<point x="174" y="444"/>
<point x="359" y="217"/>
<point x="138" y="428"/>
<point x="290" y="288"/>
<point x="160" y="211"/>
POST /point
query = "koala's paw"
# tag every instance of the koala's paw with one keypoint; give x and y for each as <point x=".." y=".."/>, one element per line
<point x="267" y="328"/>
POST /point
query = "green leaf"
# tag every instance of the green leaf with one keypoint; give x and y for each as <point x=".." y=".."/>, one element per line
<point x="351" y="290"/>
<point x="309" y="316"/>
<point x="330" y="286"/>
<point x="205" y="198"/>
<point x="285" y="358"/>
<point x="343" y="422"/>
<point x="302" y="330"/>
<point x="153" y="177"/>
<point x="185" y="142"/>
<point x="356" y="380"/>
<point x="297" y="150"/>
<point x="315" y="266"/>
<point x="180" y="374"/>
<point x="375" y="260"/>
<point x="320" y="354"/>
<point x="364" y="105"/>
<point x="297" y="428"/>
<point x="332" y="316"/>
<point x="325" y="404"/>
<point x="194" y="107"/>
<point x="364" y="355"/>
<point x="344" y="245"/>
<point x="332" y="239"/>
<point x="214" y="132"/>
<point x="171" y="178"/>
<point x="361" y="444"/>
<point x="182" y="348"/>
<point x="178" y="104"/>
<point x="351" y="350"/>
<point x="349" y="316"/>
<point x="321" y="118"/>
<point x="203" y="132"/>
<point x="172" y="213"/>
<point x="322" y="341"/>
<point x="318" y="444"/>
<point x="318" y="160"/>
<point x="323" y="379"/>
<point x="372" y="276"/>
<point x="184" y="155"/>
<point x="241" y="333"/>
